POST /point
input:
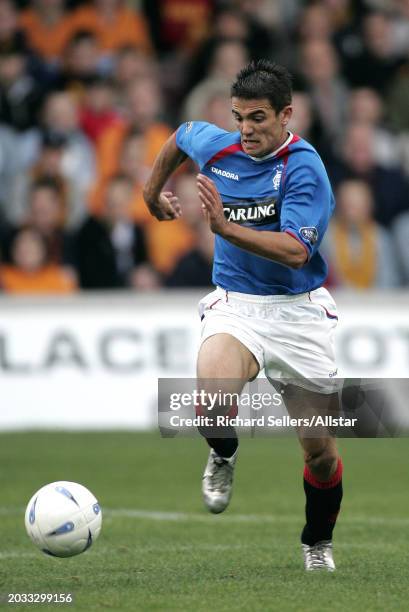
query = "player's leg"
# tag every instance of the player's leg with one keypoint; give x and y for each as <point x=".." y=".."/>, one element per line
<point x="222" y="355"/>
<point x="224" y="365"/>
<point x="322" y="477"/>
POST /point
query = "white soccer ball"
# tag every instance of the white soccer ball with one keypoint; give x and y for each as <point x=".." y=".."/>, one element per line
<point x="63" y="519"/>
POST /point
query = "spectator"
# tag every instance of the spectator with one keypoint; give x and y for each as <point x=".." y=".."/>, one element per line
<point x="365" y="106"/>
<point x="304" y="123"/>
<point x="277" y="15"/>
<point x="357" y="160"/>
<point x="218" y="111"/>
<point x="31" y="271"/>
<point x="61" y="117"/>
<point x="194" y="269"/>
<point x="48" y="28"/>
<point x="315" y="22"/>
<point x="377" y="63"/>
<point x="360" y="252"/>
<point x="269" y="25"/>
<point x="143" y="111"/>
<point x="131" y="65"/>
<point x="400" y="27"/>
<point x="230" y="24"/>
<point x="132" y="166"/>
<point x="49" y="167"/>
<point x="329" y="93"/>
<point x="242" y="21"/>
<point x="229" y="57"/>
<point x="210" y="102"/>
<point x="11" y="37"/>
<point x="105" y="116"/>
<point x="20" y="97"/>
<point x="46" y="213"/>
<point x="98" y="112"/>
<point x="178" y="24"/>
<point x="111" y="250"/>
<point x="113" y="24"/>
<point x="80" y="64"/>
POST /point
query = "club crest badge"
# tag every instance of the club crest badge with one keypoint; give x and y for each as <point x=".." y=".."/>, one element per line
<point x="310" y="234"/>
<point x="277" y="177"/>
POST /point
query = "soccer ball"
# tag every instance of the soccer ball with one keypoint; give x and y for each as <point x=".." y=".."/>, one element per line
<point x="63" y="519"/>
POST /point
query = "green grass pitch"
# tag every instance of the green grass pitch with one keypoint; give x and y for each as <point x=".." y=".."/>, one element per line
<point x="159" y="549"/>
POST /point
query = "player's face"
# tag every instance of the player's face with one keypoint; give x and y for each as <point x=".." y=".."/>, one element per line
<point x="262" y="130"/>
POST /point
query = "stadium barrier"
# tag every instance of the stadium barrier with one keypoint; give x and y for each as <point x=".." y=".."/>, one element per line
<point x="92" y="361"/>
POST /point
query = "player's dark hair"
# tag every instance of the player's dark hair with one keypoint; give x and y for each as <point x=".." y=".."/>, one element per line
<point x="264" y="79"/>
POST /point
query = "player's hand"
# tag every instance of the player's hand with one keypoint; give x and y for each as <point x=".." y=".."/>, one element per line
<point x="167" y="207"/>
<point x="212" y="204"/>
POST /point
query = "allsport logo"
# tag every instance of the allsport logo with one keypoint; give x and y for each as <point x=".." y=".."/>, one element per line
<point x="225" y="173"/>
<point x="256" y="213"/>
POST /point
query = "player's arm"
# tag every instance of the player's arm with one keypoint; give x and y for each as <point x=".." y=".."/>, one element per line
<point x="163" y="204"/>
<point x="277" y="246"/>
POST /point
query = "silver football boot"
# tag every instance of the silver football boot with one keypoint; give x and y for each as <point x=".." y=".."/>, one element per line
<point x="217" y="483"/>
<point x="319" y="556"/>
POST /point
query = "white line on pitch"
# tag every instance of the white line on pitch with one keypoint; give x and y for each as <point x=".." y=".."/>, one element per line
<point x="158" y="515"/>
<point x="154" y="515"/>
<point x="14" y="554"/>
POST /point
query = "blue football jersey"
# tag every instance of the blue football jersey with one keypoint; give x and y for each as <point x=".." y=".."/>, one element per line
<point x="286" y="191"/>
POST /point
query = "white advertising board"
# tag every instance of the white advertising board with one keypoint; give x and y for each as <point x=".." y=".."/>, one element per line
<point x="92" y="362"/>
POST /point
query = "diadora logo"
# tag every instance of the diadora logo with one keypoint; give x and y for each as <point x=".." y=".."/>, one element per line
<point x="277" y="176"/>
<point x="225" y="173"/>
<point x="255" y="213"/>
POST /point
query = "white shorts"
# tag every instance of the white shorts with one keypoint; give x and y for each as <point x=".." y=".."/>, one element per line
<point x="291" y="336"/>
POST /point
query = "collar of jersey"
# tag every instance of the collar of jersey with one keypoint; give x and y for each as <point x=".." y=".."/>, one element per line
<point x="274" y="153"/>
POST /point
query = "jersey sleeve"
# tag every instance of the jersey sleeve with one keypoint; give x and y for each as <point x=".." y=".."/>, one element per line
<point x="199" y="140"/>
<point x="307" y="203"/>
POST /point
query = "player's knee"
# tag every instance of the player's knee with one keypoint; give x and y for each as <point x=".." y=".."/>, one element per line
<point x="322" y="463"/>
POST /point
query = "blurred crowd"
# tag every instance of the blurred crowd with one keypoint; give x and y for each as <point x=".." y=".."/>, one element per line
<point x="90" y="91"/>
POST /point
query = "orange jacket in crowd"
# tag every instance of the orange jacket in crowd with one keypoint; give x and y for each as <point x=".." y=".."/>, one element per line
<point x="167" y="242"/>
<point x="110" y="143"/>
<point x="49" y="41"/>
<point x="127" y="29"/>
<point x="49" y="279"/>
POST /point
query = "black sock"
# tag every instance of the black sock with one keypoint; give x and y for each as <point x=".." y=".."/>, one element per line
<point x="222" y="438"/>
<point x="225" y="445"/>
<point x="323" y="502"/>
